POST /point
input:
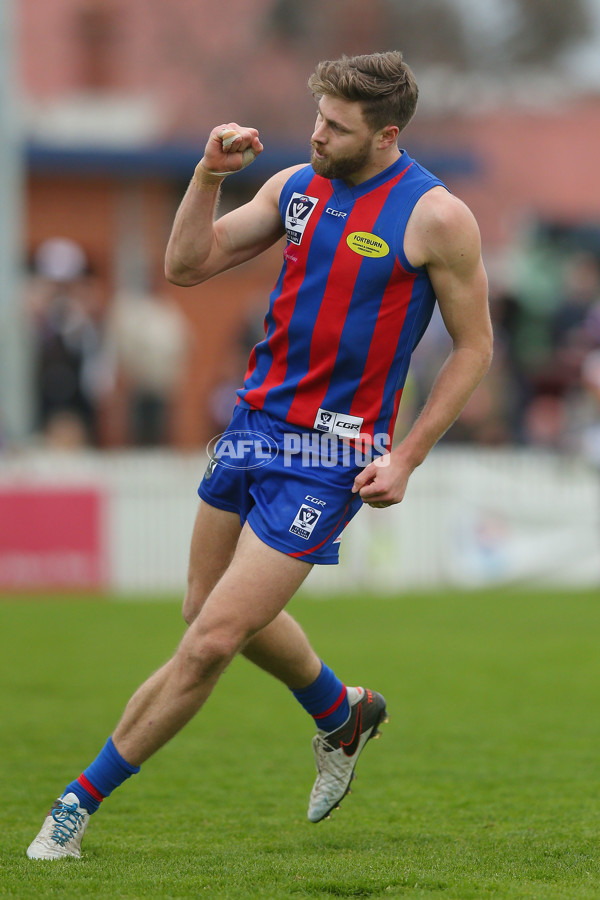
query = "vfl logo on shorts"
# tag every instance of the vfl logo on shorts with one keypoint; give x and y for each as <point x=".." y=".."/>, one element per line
<point x="299" y="210"/>
<point x="305" y="521"/>
<point x="338" y="423"/>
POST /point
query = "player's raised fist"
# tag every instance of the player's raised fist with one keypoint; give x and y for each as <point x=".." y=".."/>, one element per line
<point x="230" y="147"/>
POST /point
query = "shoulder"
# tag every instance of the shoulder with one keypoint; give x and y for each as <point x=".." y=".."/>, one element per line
<point x="275" y="184"/>
<point x="266" y="200"/>
<point x="441" y="228"/>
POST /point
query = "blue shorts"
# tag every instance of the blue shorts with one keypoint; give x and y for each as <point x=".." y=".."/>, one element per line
<point x="291" y="484"/>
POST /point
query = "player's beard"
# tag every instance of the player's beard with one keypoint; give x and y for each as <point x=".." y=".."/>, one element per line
<point x="342" y="166"/>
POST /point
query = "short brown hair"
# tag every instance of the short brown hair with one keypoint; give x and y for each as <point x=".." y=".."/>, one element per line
<point x="381" y="82"/>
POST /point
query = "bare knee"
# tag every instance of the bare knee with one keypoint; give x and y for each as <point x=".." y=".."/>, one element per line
<point x="205" y="655"/>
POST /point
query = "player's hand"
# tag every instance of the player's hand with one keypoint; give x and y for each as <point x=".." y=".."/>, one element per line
<point x="383" y="482"/>
<point x="223" y="155"/>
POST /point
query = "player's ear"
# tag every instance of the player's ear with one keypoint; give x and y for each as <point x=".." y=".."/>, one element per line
<point x="388" y="136"/>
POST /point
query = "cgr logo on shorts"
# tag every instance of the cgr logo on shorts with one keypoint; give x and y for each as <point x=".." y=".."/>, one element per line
<point x="305" y="521"/>
<point x="298" y="212"/>
<point x="338" y="423"/>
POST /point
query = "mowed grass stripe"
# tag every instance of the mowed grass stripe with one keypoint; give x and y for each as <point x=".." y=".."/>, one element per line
<point x="484" y="784"/>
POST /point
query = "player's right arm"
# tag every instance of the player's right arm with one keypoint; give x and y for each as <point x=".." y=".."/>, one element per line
<point x="201" y="246"/>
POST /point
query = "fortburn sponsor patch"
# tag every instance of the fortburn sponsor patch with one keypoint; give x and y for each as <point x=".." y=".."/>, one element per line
<point x="366" y="244"/>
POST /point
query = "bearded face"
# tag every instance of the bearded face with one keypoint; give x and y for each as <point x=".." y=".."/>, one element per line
<point x="329" y="164"/>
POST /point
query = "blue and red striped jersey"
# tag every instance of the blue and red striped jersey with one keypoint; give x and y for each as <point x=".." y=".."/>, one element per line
<point x="347" y="309"/>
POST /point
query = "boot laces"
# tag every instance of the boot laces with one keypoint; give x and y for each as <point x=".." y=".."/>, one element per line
<point x="67" y="822"/>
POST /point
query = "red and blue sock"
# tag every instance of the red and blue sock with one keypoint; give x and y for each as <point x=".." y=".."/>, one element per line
<point x="326" y="700"/>
<point x="106" y="773"/>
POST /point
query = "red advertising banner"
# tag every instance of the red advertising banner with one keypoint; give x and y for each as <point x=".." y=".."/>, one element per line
<point x="52" y="539"/>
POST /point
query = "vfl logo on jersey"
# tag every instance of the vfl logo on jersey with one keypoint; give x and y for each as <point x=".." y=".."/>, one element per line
<point x="305" y="521"/>
<point x="366" y="244"/>
<point x="299" y="210"/>
<point x="338" y="423"/>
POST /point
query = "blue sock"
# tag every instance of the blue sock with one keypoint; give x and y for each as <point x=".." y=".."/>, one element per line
<point x="326" y="700"/>
<point x="106" y="773"/>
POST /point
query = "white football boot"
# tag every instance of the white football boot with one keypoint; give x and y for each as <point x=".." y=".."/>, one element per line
<point x="336" y="752"/>
<point x="62" y="831"/>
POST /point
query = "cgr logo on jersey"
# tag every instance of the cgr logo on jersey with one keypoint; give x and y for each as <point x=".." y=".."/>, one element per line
<point x="299" y="210"/>
<point x="305" y="521"/>
<point x="366" y="244"/>
<point x="338" y="423"/>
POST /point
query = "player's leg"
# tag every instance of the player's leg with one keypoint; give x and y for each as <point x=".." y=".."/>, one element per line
<point x="214" y="538"/>
<point x="345" y="717"/>
<point x="255" y="587"/>
<point x="303" y="502"/>
<point x="253" y="590"/>
<point x="281" y="648"/>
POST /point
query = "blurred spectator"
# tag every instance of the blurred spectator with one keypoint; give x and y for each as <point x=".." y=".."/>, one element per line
<point x="581" y="292"/>
<point x="571" y="324"/>
<point x="64" y="304"/>
<point x="221" y="399"/>
<point x="507" y="317"/>
<point x="545" y="422"/>
<point x="66" y="432"/>
<point x="545" y="326"/>
<point x="483" y="420"/>
<point x="233" y="365"/>
<point x="149" y="339"/>
<point x="590" y="430"/>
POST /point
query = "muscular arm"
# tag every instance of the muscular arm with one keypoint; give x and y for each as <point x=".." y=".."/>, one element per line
<point x="200" y="246"/>
<point x="442" y="235"/>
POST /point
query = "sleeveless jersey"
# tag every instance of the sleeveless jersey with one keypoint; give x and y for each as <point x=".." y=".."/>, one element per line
<point x="348" y="308"/>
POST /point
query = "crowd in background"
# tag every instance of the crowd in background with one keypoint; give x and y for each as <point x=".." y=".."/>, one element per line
<point x="544" y="386"/>
<point x="88" y="353"/>
<point x="543" y="389"/>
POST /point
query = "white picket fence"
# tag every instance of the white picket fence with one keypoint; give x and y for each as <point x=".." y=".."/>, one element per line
<point x="471" y="517"/>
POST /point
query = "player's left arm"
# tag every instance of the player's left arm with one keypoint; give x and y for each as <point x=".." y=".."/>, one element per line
<point x="442" y="235"/>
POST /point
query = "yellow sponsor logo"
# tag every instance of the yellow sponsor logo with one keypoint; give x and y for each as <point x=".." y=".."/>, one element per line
<point x="367" y="244"/>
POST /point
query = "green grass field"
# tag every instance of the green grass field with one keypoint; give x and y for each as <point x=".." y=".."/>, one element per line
<point x="485" y="784"/>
